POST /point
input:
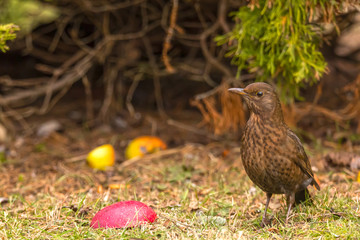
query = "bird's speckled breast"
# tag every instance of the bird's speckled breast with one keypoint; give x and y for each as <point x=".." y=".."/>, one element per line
<point x="264" y="156"/>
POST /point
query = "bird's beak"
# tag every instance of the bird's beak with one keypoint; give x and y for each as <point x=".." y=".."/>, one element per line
<point x="238" y="91"/>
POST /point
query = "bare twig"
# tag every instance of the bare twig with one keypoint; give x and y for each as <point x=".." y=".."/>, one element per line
<point x="78" y="71"/>
<point x="218" y="88"/>
<point x="155" y="70"/>
<point x="7" y="81"/>
<point x="156" y="155"/>
<point x="105" y="7"/>
<point x="129" y="36"/>
<point x="70" y="77"/>
<point x="192" y="129"/>
<point x="169" y="35"/>
<point x="20" y="119"/>
<point x="212" y="60"/>
<point x="222" y="15"/>
<point x="130" y="94"/>
<point x="57" y="98"/>
<point x="89" y="102"/>
<point x="60" y="30"/>
<point x="109" y="78"/>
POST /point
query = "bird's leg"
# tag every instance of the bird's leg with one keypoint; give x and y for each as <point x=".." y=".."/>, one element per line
<point x="264" y="220"/>
<point x="290" y="200"/>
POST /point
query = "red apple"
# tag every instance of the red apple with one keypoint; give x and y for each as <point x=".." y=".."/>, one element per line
<point x="123" y="214"/>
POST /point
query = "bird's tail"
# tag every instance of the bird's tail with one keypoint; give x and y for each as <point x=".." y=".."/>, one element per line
<point x="303" y="196"/>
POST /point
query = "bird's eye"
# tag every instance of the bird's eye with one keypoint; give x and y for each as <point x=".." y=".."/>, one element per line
<point x="259" y="94"/>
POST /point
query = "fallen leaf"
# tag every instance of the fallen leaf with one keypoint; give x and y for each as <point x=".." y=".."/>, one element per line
<point x="273" y="230"/>
<point x="118" y="186"/>
<point x="100" y="189"/>
<point x="167" y="223"/>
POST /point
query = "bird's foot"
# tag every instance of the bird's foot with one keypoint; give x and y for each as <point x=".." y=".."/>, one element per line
<point x="265" y="222"/>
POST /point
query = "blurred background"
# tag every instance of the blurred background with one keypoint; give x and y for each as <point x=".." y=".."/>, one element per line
<point x="163" y="68"/>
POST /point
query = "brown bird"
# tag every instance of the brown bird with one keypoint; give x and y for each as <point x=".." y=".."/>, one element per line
<point x="272" y="155"/>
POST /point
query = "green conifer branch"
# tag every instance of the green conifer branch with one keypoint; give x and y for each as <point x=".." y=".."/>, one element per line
<point x="275" y="40"/>
<point x="7" y="32"/>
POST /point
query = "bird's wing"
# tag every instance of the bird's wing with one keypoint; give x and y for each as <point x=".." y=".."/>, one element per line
<point x="300" y="159"/>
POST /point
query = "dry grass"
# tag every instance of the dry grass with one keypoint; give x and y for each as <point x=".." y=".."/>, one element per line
<point x="198" y="192"/>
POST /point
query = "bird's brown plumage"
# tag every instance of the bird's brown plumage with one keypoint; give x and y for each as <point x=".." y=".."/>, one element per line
<point x="272" y="155"/>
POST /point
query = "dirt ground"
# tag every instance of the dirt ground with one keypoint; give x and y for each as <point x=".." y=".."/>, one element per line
<point x="55" y="164"/>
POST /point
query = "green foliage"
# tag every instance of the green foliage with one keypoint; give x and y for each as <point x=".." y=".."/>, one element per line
<point x="275" y="40"/>
<point x="7" y="32"/>
<point x="27" y="14"/>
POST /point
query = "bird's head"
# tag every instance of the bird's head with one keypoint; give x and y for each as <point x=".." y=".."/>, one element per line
<point x="261" y="99"/>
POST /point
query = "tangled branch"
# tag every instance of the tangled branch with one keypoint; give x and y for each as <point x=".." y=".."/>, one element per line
<point x="120" y="44"/>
